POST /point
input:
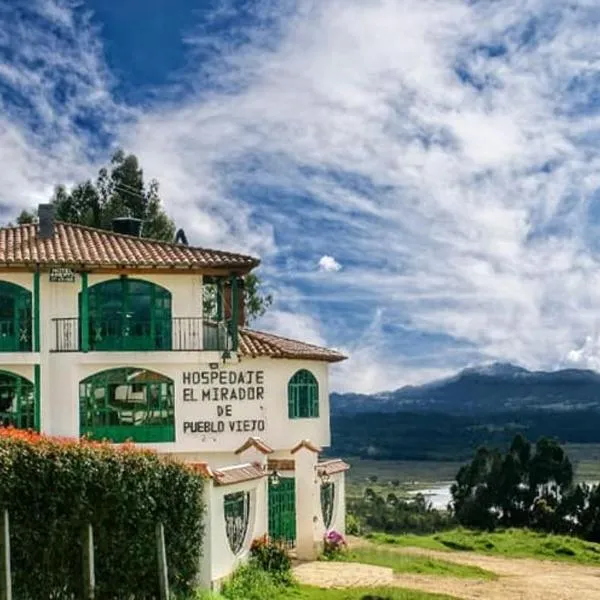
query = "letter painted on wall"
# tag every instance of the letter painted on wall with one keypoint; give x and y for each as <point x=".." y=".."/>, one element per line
<point x="217" y="402"/>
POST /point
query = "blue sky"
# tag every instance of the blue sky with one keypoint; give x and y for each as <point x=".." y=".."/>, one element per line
<point x="420" y="177"/>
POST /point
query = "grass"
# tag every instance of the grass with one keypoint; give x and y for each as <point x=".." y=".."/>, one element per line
<point x="518" y="543"/>
<point x="406" y="563"/>
<point x="312" y="593"/>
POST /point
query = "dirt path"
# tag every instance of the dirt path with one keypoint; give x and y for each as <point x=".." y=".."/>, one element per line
<point x="519" y="579"/>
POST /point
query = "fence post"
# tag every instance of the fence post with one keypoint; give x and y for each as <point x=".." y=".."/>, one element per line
<point x="89" y="576"/>
<point x="5" y="572"/>
<point x="163" y="575"/>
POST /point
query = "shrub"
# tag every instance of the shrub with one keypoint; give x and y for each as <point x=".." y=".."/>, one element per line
<point x="333" y="544"/>
<point x="53" y="488"/>
<point x="353" y="525"/>
<point x="272" y="558"/>
<point x="250" y="582"/>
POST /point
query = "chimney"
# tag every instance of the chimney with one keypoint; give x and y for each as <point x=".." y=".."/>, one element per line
<point x="46" y="221"/>
<point x="241" y="311"/>
<point x="127" y="226"/>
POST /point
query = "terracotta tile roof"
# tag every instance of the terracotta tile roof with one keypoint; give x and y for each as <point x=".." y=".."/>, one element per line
<point x="258" y="343"/>
<point x="330" y="467"/>
<point x="75" y="245"/>
<point x="306" y="444"/>
<point x="237" y="474"/>
<point x="201" y="468"/>
<point x="255" y="442"/>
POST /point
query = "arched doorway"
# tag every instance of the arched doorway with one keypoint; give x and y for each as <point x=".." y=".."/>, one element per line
<point x="17" y="401"/>
<point x="129" y="314"/>
<point x="127" y="404"/>
<point x="15" y="318"/>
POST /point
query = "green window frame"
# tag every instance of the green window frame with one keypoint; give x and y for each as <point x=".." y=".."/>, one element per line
<point x="15" y="318"/>
<point x="236" y="510"/>
<point x="127" y="404"/>
<point x="128" y="314"/>
<point x="17" y="401"/>
<point x="303" y="396"/>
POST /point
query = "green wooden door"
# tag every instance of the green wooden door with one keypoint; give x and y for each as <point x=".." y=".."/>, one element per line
<point x="282" y="511"/>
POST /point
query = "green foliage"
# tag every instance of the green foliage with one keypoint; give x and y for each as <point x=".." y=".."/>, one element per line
<point x="520" y="488"/>
<point x="353" y="524"/>
<point x="250" y="582"/>
<point x="518" y="543"/>
<point x="54" y="488"/>
<point x="409" y="563"/>
<point x="119" y="191"/>
<point x="379" y="593"/>
<point x="271" y="557"/>
<point x="256" y="303"/>
<point x="387" y="512"/>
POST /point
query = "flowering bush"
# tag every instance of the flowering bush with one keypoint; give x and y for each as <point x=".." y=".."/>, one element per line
<point x="333" y="544"/>
<point x="54" y="487"/>
<point x="272" y="557"/>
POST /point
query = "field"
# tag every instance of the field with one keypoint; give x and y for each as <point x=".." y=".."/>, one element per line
<point x="515" y="543"/>
<point x="410" y="563"/>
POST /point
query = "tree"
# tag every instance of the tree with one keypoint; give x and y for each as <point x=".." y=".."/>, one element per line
<point x="120" y="191"/>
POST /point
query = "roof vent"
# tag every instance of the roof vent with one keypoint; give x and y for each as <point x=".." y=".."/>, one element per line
<point x="128" y="226"/>
<point x="46" y="221"/>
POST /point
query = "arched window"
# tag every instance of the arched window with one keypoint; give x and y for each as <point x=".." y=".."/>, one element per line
<point x="15" y="318"/>
<point x="127" y="404"/>
<point x="129" y="314"/>
<point x="17" y="401"/>
<point x="303" y="396"/>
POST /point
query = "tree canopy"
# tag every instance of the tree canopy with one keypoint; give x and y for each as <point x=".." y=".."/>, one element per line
<point x="119" y="190"/>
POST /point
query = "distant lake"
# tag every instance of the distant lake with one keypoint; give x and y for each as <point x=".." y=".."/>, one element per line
<point x="439" y="495"/>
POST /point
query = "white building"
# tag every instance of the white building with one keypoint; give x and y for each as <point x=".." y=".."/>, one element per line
<point x="105" y="335"/>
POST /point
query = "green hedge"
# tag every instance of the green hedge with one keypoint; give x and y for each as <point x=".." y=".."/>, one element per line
<point x="52" y="488"/>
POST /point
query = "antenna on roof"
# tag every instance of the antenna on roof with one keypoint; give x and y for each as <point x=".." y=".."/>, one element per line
<point x="180" y="237"/>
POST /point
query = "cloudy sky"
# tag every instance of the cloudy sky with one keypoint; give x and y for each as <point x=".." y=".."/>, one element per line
<point x="420" y="177"/>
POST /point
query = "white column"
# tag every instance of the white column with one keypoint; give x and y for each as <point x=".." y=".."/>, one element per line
<point x="307" y="502"/>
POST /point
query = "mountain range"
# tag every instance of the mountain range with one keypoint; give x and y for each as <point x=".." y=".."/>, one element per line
<point x="487" y="389"/>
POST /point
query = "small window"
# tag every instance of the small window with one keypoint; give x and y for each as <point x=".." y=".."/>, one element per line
<point x="236" y="508"/>
<point x="303" y="396"/>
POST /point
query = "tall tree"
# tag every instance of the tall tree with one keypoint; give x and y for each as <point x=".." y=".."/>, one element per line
<point x="120" y="191"/>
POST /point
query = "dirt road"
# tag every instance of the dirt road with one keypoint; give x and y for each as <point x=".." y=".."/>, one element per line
<point x="518" y="579"/>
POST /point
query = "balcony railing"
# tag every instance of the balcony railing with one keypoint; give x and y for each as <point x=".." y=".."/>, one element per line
<point x="176" y="334"/>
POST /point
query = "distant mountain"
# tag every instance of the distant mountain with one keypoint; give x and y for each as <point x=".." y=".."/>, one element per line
<point x="486" y="389"/>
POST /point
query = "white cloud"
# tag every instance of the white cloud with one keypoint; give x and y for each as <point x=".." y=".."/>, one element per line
<point x="458" y="181"/>
<point x="328" y="264"/>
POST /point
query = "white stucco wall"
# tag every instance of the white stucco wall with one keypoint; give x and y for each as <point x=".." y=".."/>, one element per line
<point x="218" y="560"/>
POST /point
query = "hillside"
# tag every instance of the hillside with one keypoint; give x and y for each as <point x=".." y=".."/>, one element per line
<point x="483" y="390"/>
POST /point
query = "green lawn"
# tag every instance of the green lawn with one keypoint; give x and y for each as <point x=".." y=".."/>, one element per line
<point x="407" y="563"/>
<point x="311" y="593"/>
<point x="519" y="543"/>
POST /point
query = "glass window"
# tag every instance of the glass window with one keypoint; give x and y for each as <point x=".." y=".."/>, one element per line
<point x="127" y="404"/>
<point x="303" y="396"/>
<point x="17" y="401"/>
<point x="129" y="314"/>
<point x="15" y="318"/>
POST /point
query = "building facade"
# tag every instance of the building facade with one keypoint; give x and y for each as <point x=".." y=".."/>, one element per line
<point x="112" y="336"/>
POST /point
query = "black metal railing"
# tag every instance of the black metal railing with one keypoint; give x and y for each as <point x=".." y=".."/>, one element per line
<point x="114" y="335"/>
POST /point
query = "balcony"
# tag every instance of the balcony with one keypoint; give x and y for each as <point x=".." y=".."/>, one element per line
<point x="178" y="334"/>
